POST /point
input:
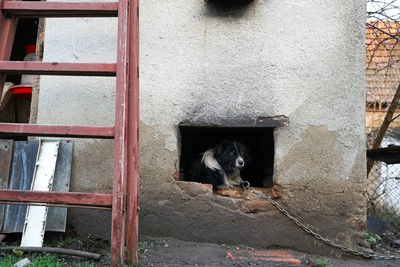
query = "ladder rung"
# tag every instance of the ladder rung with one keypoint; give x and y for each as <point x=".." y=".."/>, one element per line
<point x="53" y="197"/>
<point x="57" y="131"/>
<point x="56" y="68"/>
<point x="60" y="9"/>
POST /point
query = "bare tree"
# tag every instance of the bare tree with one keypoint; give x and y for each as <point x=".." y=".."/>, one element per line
<point x="383" y="37"/>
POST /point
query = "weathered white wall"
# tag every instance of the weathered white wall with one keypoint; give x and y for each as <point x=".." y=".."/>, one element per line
<point x="82" y="101"/>
<point x="201" y="62"/>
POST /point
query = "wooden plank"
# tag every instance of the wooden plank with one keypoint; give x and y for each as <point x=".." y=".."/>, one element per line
<point x="22" y="168"/>
<point x="61" y="9"/>
<point x="57" y="68"/>
<point x="2" y="53"/>
<point x="132" y="216"/>
<point x="73" y="198"/>
<point x="8" y="26"/>
<point x="6" y="148"/>
<point x="57" y="217"/>
<point x="36" y="216"/>
<point x="57" y="131"/>
<point x="118" y="214"/>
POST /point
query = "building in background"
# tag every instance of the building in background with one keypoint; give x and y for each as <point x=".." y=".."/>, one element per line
<point x="382" y="74"/>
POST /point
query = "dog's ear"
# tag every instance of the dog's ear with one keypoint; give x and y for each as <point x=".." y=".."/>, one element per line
<point x="218" y="149"/>
<point x="245" y="151"/>
<point x="221" y="147"/>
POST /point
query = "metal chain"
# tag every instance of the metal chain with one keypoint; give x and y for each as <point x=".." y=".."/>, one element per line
<point x="316" y="235"/>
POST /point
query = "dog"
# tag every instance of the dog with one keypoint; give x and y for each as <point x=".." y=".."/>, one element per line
<point x="221" y="165"/>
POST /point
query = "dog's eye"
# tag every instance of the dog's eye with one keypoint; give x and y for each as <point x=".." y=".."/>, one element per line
<point x="232" y="152"/>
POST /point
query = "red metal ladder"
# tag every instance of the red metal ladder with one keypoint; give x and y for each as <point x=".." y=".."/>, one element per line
<point x="124" y="198"/>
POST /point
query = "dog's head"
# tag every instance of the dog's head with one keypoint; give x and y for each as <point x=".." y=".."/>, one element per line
<point x="231" y="155"/>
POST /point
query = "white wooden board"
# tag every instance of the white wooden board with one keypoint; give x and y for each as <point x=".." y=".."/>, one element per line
<point x="35" y="220"/>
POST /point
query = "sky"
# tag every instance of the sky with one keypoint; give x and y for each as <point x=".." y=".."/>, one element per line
<point x="391" y="9"/>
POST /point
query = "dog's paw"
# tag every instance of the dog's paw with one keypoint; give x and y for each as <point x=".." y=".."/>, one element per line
<point x="245" y="185"/>
<point x="224" y="186"/>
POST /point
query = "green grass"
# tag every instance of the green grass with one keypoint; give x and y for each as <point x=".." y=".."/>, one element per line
<point x="322" y="262"/>
<point x="372" y="238"/>
<point x="142" y="246"/>
<point x="46" y="261"/>
<point x="8" y="260"/>
<point x="65" y="242"/>
<point x="42" y="260"/>
<point x="84" y="264"/>
<point x="37" y="261"/>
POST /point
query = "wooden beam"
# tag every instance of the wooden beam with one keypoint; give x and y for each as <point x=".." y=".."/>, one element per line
<point x="57" y="131"/>
<point x="60" y="9"/>
<point x="132" y="214"/>
<point x="118" y="219"/>
<point x="74" y="198"/>
<point x="8" y="26"/>
<point x="56" y="68"/>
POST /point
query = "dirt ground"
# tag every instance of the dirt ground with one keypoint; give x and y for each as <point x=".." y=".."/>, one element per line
<point x="173" y="252"/>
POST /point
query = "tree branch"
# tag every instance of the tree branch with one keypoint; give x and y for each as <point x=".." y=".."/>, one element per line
<point x="395" y="118"/>
<point x="385" y="125"/>
<point x="383" y="31"/>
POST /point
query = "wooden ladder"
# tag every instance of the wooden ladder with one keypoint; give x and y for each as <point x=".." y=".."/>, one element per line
<point x="124" y="197"/>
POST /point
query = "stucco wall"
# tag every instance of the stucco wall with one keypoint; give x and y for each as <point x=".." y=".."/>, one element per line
<point x="204" y="62"/>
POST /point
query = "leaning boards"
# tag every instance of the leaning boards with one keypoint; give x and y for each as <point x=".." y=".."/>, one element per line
<point x="6" y="148"/>
<point x="36" y="216"/>
<point x="21" y="174"/>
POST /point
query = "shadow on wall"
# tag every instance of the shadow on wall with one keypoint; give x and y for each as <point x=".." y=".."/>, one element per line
<point x="227" y="8"/>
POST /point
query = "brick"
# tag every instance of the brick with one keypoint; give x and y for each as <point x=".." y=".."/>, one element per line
<point x="273" y="256"/>
<point x="275" y="192"/>
<point x="232" y="192"/>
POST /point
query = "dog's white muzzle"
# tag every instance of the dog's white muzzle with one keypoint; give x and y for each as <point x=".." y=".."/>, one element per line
<point x="239" y="162"/>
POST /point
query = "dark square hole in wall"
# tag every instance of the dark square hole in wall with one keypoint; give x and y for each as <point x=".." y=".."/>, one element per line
<point x="25" y="34"/>
<point x="16" y="108"/>
<point x="259" y="141"/>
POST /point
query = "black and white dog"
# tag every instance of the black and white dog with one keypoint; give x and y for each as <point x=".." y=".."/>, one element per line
<point x="221" y="165"/>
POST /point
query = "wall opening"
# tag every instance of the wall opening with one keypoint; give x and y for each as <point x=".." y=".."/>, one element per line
<point x="16" y="99"/>
<point x="259" y="141"/>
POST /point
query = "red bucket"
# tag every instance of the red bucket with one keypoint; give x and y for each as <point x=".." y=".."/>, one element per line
<point x="30" y="49"/>
<point x="22" y="91"/>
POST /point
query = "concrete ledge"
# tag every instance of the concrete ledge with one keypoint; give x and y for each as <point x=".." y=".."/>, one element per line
<point x="233" y="198"/>
<point x="194" y="189"/>
<point x="256" y="206"/>
<point x="237" y="192"/>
